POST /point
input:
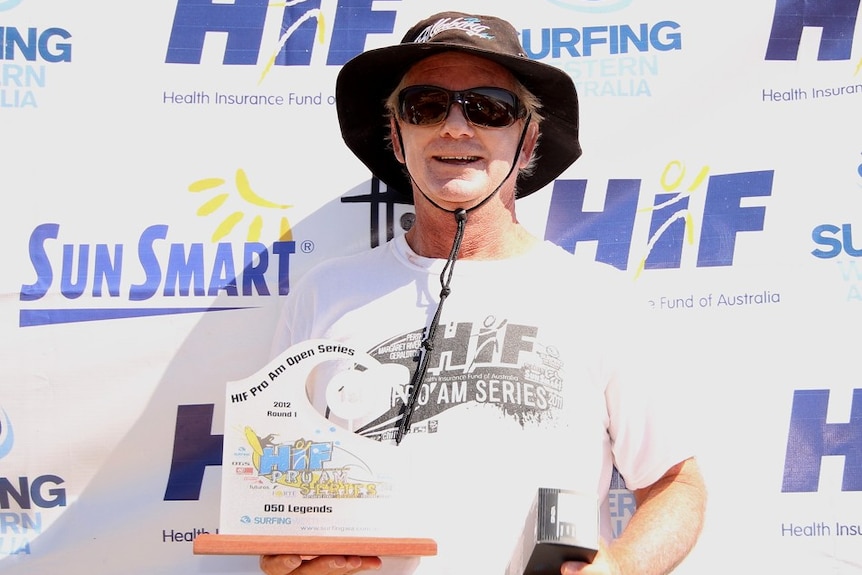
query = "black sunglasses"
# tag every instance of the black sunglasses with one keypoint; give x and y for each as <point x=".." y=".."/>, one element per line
<point x="486" y="107"/>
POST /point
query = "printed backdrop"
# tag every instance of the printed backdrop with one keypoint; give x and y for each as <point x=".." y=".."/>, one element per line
<point x="170" y="168"/>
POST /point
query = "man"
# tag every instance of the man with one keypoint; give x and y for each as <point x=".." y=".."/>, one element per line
<point x="534" y="373"/>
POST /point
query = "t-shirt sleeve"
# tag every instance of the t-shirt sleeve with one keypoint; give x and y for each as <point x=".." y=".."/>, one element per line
<point x="648" y="398"/>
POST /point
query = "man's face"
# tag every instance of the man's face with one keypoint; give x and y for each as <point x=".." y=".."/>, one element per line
<point x="456" y="163"/>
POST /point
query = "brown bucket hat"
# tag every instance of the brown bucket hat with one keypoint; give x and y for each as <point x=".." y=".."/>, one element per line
<point x="365" y="82"/>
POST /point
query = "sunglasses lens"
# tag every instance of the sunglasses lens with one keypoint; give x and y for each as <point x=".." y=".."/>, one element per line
<point x="491" y="107"/>
<point x="423" y="106"/>
<point x="486" y="107"/>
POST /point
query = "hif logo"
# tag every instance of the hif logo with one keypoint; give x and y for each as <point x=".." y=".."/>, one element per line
<point x="836" y="20"/>
<point x="811" y="438"/>
<point x="183" y="272"/>
<point x="301" y="25"/>
<point x="676" y="219"/>
<point x="592" y="6"/>
<point x="21" y="500"/>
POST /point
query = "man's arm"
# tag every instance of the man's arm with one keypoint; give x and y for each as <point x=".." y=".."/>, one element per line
<point x="661" y="532"/>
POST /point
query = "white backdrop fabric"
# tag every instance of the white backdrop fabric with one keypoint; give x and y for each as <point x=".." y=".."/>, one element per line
<point x="171" y="167"/>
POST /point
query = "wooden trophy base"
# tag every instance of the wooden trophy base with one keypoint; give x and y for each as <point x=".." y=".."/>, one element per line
<point x="224" y="544"/>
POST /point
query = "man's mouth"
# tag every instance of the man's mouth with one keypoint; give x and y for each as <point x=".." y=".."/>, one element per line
<point x="457" y="159"/>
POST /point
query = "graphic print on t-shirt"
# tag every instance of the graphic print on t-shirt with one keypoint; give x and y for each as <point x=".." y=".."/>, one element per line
<point x="495" y="362"/>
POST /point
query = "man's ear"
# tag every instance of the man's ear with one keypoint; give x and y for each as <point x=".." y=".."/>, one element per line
<point x="529" y="146"/>
<point x="395" y="138"/>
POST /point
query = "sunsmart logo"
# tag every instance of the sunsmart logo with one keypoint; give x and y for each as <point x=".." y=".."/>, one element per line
<point x="812" y="437"/>
<point x="99" y="273"/>
<point x="301" y="25"/>
<point x="592" y="6"/>
<point x="836" y="20"/>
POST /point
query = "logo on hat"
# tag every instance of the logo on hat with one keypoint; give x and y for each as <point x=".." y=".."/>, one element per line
<point x="472" y="26"/>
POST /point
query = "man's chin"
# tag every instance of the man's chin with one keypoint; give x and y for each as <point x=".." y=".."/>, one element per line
<point x="461" y="192"/>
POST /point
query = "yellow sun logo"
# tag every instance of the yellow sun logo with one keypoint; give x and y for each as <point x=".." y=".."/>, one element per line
<point x="246" y="194"/>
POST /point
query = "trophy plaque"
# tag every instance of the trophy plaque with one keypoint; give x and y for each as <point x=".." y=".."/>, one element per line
<point x="295" y="482"/>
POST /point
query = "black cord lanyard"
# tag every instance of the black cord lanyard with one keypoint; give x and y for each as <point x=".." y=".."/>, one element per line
<point x="427" y="344"/>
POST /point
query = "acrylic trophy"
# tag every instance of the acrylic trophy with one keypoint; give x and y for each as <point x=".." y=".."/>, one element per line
<point x="294" y="482"/>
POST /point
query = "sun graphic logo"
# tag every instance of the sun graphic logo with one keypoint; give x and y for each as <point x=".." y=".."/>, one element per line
<point x="7" y="436"/>
<point x="242" y="196"/>
<point x="672" y="182"/>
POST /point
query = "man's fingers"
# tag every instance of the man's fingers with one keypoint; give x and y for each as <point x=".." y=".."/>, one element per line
<point x="326" y="565"/>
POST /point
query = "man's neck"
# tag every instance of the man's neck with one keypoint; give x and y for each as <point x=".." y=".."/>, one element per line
<point x="489" y="234"/>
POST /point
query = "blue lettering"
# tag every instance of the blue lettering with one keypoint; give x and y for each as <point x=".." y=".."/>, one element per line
<point x="569" y="224"/>
<point x="835" y="18"/>
<point x="150" y="263"/>
<point x="41" y="262"/>
<point x="565" y="39"/>
<point x="23" y="76"/>
<point x="243" y="21"/>
<point x="851" y="272"/>
<point x="619" y="39"/>
<point x="837" y="245"/>
<point x="107" y="270"/>
<point x="354" y="21"/>
<point x="810" y="439"/>
<point x="318" y="454"/>
<point x="821" y="236"/>
<point x="283" y="251"/>
<point x="195" y="448"/>
<point x="627" y="35"/>
<point x="184" y="271"/>
<point x="224" y="273"/>
<point x="612" y="229"/>
<point x="668" y="227"/>
<point x="284" y="458"/>
<point x="19" y="523"/>
<point x="73" y="288"/>
<point x="181" y="271"/>
<point x="667" y="42"/>
<point x="723" y="215"/>
<point x="300" y="25"/>
<point x="35" y="45"/>
<point x="57" y="495"/>
<point x="28" y="493"/>
<point x="275" y="459"/>
<point x="544" y="43"/>
<point x="253" y="275"/>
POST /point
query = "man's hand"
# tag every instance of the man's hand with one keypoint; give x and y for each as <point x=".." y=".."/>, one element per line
<point x="324" y="565"/>
<point x="664" y="527"/>
<point x="602" y="565"/>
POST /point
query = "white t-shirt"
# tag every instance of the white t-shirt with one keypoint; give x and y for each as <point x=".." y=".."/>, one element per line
<point x="541" y="375"/>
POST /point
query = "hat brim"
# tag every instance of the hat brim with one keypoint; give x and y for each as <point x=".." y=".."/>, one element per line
<point x="365" y="82"/>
